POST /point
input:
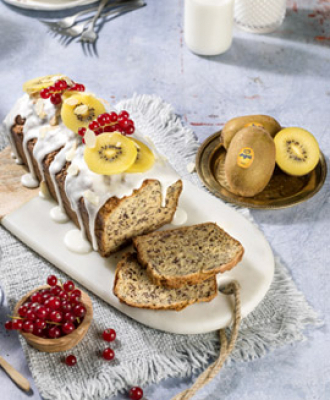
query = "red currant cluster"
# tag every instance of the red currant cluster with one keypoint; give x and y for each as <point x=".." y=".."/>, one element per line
<point x="50" y="313"/>
<point x="111" y="122"/>
<point x="54" y="93"/>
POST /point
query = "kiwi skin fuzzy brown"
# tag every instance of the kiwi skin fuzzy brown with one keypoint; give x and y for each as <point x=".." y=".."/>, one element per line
<point x="248" y="182"/>
<point x="236" y="124"/>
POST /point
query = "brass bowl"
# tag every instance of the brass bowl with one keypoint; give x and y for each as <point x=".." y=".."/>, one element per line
<point x="282" y="191"/>
<point x="63" y="343"/>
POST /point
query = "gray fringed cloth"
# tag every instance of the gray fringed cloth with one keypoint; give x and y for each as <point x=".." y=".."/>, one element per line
<point x="145" y="355"/>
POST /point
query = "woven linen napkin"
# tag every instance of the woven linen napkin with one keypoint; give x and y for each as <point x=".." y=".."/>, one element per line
<point x="145" y="355"/>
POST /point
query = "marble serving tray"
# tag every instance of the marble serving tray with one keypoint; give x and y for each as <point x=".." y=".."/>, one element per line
<point x="32" y="224"/>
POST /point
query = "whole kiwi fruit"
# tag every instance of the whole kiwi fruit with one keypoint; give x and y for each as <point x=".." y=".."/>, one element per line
<point x="236" y="124"/>
<point x="250" y="161"/>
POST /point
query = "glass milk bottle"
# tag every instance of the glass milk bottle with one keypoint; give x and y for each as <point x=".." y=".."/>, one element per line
<point x="208" y="26"/>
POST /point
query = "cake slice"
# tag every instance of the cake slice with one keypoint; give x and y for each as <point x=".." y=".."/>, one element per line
<point x="187" y="255"/>
<point x="133" y="287"/>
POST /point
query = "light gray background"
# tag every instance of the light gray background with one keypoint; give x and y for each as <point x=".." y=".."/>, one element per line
<point x="285" y="74"/>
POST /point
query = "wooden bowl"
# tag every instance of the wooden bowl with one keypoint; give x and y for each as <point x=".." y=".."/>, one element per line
<point x="65" y="342"/>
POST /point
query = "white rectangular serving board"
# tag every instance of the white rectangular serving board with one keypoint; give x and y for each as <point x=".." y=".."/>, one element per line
<point x="32" y="225"/>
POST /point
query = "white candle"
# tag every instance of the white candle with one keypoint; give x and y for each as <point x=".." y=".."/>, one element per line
<point x="208" y="25"/>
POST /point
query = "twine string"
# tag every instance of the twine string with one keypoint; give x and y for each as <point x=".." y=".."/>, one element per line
<point x="226" y="348"/>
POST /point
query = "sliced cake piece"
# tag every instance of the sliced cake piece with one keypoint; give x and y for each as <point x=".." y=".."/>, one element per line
<point x="187" y="255"/>
<point x="133" y="287"/>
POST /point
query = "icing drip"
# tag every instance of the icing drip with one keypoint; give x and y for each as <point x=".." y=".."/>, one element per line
<point x="58" y="215"/>
<point x="75" y="241"/>
<point x="29" y="181"/>
<point x="180" y="217"/>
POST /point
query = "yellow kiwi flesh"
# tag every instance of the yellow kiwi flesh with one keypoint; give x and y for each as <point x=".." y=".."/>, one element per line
<point x="80" y="109"/>
<point x="236" y="124"/>
<point x="37" y="84"/>
<point x="250" y="161"/>
<point x="145" y="158"/>
<point x="297" y="151"/>
<point x="113" y="154"/>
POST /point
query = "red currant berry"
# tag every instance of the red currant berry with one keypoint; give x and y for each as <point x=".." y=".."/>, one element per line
<point x="17" y="324"/>
<point x="79" y="310"/>
<point x="52" y="89"/>
<point x="52" y="280"/>
<point x="61" y="85"/>
<point x="69" y="317"/>
<point x="30" y="315"/>
<point x="136" y="393"/>
<point x="36" y="297"/>
<point x="71" y="360"/>
<point x="68" y="328"/>
<point x="83" y="140"/>
<point x="101" y="120"/>
<point x="56" y="98"/>
<point x="109" y="335"/>
<point x="8" y="325"/>
<point x="54" y="303"/>
<point x="63" y="295"/>
<point x="44" y="94"/>
<point x="22" y="311"/>
<point x="113" y="117"/>
<point x="93" y="125"/>
<point x="74" y="298"/>
<point x="123" y="115"/>
<point x="109" y="128"/>
<point x="66" y="306"/>
<point x="28" y="326"/>
<point x="54" y="332"/>
<point x="68" y="286"/>
<point x="99" y="131"/>
<point x="108" y="354"/>
<point x="42" y="312"/>
<point x="56" y="290"/>
<point x="56" y="316"/>
<point x="45" y="297"/>
<point x="80" y="87"/>
<point x="76" y="292"/>
<point x="129" y="130"/>
<point x="34" y="306"/>
<point x="81" y="131"/>
<point x="40" y="323"/>
<point x="37" y="331"/>
<point x="123" y="123"/>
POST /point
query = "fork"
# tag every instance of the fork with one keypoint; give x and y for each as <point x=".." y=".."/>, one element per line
<point x="67" y="22"/>
<point x="69" y="34"/>
<point x="89" y="35"/>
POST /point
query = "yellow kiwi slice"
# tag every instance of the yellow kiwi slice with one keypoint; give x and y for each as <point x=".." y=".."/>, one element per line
<point x="145" y="158"/>
<point x="113" y="153"/>
<point x="297" y="151"/>
<point x="37" y="84"/>
<point x="80" y="109"/>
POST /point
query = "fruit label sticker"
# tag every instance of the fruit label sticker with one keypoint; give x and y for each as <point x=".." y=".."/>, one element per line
<point x="245" y="157"/>
<point x="253" y="124"/>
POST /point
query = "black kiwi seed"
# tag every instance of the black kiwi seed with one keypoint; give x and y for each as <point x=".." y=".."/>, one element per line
<point x="119" y="151"/>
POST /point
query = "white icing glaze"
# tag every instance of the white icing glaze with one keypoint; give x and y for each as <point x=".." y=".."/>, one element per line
<point x="28" y="180"/>
<point x="57" y="215"/>
<point x="75" y="241"/>
<point x="180" y="217"/>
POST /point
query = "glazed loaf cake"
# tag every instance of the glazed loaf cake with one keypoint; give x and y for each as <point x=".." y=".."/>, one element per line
<point x="187" y="255"/>
<point x="133" y="287"/>
<point x="119" y="219"/>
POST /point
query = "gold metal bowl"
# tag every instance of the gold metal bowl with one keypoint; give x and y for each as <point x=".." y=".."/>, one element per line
<point x="281" y="192"/>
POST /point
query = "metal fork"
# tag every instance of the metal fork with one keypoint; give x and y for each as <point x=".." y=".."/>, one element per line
<point x="67" y="22"/>
<point x="69" y="34"/>
<point x="89" y="35"/>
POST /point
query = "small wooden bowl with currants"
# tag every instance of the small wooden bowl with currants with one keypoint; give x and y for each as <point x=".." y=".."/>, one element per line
<point x="53" y="317"/>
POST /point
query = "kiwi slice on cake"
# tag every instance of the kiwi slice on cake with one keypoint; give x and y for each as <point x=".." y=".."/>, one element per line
<point x="297" y="151"/>
<point x="112" y="154"/>
<point x="145" y="158"/>
<point x="80" y="109"/>
<point x="37" y="84"/>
